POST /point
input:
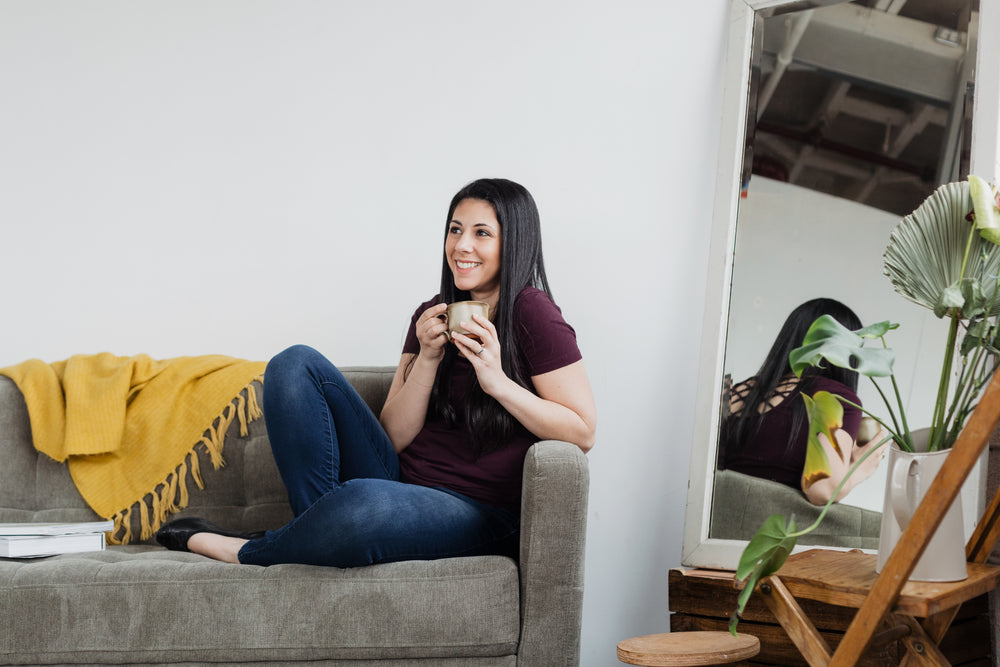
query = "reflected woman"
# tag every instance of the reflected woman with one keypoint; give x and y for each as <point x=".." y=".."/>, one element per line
<point x="766" y="431"/>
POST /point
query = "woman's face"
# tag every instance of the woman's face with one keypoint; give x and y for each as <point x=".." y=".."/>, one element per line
<point x="473" y="250"/>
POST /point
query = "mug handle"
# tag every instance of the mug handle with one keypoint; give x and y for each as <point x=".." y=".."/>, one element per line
<point x="901" y="476"/>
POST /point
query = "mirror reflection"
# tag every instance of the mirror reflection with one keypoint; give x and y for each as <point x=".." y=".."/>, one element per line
<point x="858" y="111"/>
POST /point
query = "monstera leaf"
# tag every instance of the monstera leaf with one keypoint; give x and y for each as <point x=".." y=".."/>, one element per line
<point x="829" y="340"/>
<point x="924" y="258"/>
<point x="764" y="555"/>
<point x="826" y="415"/>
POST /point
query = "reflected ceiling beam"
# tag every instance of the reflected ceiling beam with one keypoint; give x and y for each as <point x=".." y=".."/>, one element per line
<point x="789" y="152"/>
<point x="959" y="120"/>
<point x="828" y="109"/>
<point x="895" y="178"/>
<point x="890" y="6"/>
<point x="833" y="165"/>
<point x="884" y="115"/>
<point x="784" y="58"/>
<point x="897" y="52"/>
<point x="824" y="143"/>
<point x="919" y="121"/>
<point x="838" y="101"/>
<point x="831" y="105"/>
<point x="786" y="150"/>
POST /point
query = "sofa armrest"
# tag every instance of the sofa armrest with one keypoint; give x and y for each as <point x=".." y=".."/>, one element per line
<point x="553" y="537"/>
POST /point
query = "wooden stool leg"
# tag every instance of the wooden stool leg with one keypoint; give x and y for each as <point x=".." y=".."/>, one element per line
<point x="935" y="627"/>
<point x="921" y="649"/>
<point x="796" y="624"/>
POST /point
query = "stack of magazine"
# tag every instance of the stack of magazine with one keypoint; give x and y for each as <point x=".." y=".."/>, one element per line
<point x="32" y="540"/>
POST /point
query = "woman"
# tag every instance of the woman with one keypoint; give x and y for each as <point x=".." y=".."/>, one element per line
<point x="440" y="476"/>
<point x="766" y="432"/>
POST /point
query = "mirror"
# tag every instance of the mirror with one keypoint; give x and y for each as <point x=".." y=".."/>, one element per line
<point x="839" y="118"/>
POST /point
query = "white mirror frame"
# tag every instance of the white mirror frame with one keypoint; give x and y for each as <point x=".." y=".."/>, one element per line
<point x="698" y="549"/>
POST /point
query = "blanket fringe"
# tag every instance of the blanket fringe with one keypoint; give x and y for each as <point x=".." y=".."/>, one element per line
<point x="171" y="495"/>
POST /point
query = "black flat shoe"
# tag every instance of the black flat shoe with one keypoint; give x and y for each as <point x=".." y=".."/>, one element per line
<point x="175" y="535"/>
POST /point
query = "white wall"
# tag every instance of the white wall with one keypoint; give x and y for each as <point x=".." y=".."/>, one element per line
<point x="234" y="176"/>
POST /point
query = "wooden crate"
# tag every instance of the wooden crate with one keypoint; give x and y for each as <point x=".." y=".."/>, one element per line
<point x="704" y="600"/>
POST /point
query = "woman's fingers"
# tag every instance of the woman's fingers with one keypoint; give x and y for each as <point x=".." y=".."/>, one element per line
<point x="878" y="441"/>
<point x="431" y="328"/>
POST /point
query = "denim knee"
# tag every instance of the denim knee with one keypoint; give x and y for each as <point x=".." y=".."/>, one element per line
<point x="288" y="374"/>
<point x="291" y="360"/>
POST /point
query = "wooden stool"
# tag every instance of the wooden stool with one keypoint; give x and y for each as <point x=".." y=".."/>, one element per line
<point x="687" y="648"/>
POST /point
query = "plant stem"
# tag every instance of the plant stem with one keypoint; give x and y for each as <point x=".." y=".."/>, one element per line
<point x="902" y="414"/>
<point x="905" y="430"/>
<point x="978" y="381"/>
<point x="937" y="421"/>
<point x="888" y="407"/>
<point x="893" y="435"/>
<point x="840" y="486"/>
<point x="940" y="403"/>
<point x="969" y="384"/>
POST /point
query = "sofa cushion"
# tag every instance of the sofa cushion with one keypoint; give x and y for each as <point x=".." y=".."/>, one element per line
<point x="35" y="487"/>
<point x="143" y="604"/>
<point x="246" y="494"/>
<point x="741" y="503"/>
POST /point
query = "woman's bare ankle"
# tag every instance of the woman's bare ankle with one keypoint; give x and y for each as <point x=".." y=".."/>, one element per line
<point x="219" y="547"/>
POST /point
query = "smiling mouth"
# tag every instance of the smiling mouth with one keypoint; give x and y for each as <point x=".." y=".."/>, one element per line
<point x="467" y="265"/>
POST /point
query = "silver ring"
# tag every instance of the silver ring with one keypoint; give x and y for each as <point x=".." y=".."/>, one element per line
<point x="482" y="348"/>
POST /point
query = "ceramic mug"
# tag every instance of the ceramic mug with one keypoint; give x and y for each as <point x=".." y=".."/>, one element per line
<point x="462" y="311"/>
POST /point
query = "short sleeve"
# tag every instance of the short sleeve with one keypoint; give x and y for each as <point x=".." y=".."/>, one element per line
<point x="852" y="415"/>
<point x="546" y="340"/>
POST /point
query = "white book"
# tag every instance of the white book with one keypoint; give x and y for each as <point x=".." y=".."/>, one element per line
<point x="72" y="528"/>
<point x="33" y="546"/>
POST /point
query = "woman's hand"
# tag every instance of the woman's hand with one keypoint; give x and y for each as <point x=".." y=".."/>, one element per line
<point x="484" y="356"/>
<point x="405" y="407"/>
<point x="432" y="332"/>
<point x="870" y="464"/>
<point x="841" y="458"/>
<point x="563" y="408"/>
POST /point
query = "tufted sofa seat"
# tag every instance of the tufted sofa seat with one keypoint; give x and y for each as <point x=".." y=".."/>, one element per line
<point x="142" y="604"/>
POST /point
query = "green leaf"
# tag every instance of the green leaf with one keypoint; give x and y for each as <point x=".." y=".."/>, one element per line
<point x="973" y="298"/>
<point x="966" y="296"/>
<point x="876" y="330"/>
<point x="926" y="252"/>
<point x="763" y="556"/>
<point x="826" y="415"/>
<point x="984" y="203"/>
<point x="951" y="298"/>
<point x="829" y="340"/>
<point x="982" y="333"/>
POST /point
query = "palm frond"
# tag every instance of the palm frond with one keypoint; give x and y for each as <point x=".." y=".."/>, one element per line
<point x="925" y="250"/>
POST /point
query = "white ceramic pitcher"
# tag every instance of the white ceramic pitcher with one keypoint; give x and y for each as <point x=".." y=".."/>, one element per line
<point x="909" y="476"/>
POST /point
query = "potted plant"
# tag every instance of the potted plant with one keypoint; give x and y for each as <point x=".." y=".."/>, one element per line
<point x="943" y="256"/>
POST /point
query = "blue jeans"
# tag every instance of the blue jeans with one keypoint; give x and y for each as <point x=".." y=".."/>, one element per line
<point x="342" y="475"/>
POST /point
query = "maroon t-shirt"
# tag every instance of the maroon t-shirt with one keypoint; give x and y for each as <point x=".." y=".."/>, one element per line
<point x="443" y="455"/>
<point x="766" y="453"/>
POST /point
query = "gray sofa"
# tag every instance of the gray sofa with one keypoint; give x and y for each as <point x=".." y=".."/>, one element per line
<point x="741" y="503"/>
<point x="142" y="604"/>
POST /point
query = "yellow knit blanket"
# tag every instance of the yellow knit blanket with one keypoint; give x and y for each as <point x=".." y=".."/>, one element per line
<point x="128" y="426"/>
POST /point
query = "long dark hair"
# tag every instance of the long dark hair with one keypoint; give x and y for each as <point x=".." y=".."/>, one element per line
<point x="776" y="369"/>
<point x="521" y="265"/>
